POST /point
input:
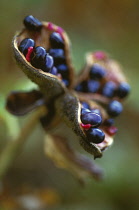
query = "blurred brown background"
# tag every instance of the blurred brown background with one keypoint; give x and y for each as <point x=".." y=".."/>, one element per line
<point x="107" y="25"/>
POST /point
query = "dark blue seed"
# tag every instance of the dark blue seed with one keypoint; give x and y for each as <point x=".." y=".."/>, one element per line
<point x="85" y="105"/>
<point x="97" y="111"/>
<point x="79" y="88"/>
<point x="84" y="111"/>
<point x="63" y="70"/>
<point x="25" y="44"/>
<point x="114" y="108"/>
<point x="38" y="57"/>
<point x="56" y="40"/>
<point x="123" y="90"/>
<point x="58" y="55"/>
<point x="53" y="71"/>
<point x="109" y="122"/>
<point x="93" y="86"/>
<point x="97" y="71"/>
<point x="32" y="23"/>
<point x="91" y="118"/>
<point x="66" y="82"/>
<point x="109" y="89"/>
<point x="49" y="62"/>
<point x="95" y="135"/>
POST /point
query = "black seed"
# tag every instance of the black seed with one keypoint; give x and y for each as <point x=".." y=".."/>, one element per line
<point x="93" y="86"/>
<point x="91" y="118"/>
<point x="25" y="44"/>
<point x="95" y="135"/>
<point x="53" y="71"/>
<point x="49" y="62"/>
<point x="85" y="105"/>
<point x="66" y="82"/>
<point x="109" y="122"/>
<point x="32" y="23"/>
<point x="123" y="90"/>
<point x="84" y="111"/>
<point x="56" y="40"/>
<point x="109" y="89"/>
<point x="38" y="57"/>
<point x="114" y="108"/>
<point x="63" y="70"/>
<point x="97" y="71"/>
<point x="58" y="55"/>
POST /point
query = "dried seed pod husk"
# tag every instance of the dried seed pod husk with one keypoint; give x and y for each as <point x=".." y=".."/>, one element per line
<point x="50" y="85"/>
<point x="63" y="155"/>
<point x="69" y="107"/>
<point x="20" y="103"/>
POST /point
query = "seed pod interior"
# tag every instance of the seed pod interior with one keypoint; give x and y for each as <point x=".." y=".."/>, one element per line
<point x="54" y="83"/>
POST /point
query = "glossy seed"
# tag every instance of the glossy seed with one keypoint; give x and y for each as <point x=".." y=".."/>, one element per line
<point x="56" y="40"/>
<point x="123" y="90"/>
<point x="109" y="89"/>
<point x="25" y="44"/>
<point x="93" y="86"/>
<point x="38" y="57"/>
<point x="53" y="71"/>
<point x="49" y="62"/>
<point x="97" y="111"/>
<point x="58" y="55"/>
<point x="114" y="108"/>
<point x="97" y="71"/>
<point x="85" y="105"/>
<point x="95" y="135"/>
<point x="84" y="111"/>
<point x="91" y="118"/>
<point x="32" y="23"/>
<point x="63" y="70"/>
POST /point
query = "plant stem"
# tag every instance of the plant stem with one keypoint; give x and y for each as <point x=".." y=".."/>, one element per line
<point x="14" y="147"/>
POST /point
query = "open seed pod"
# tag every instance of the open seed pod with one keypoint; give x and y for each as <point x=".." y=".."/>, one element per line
<point x="102" y="76"/>
<point x="70" y="108"/>
<point x="86" y="106"/>
<point x="42" y="50"/>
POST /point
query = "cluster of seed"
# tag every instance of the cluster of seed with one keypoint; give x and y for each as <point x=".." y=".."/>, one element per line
<point x="98" y="83"/>
<point x="91" y="120"/>
<point x="51" y="60"/>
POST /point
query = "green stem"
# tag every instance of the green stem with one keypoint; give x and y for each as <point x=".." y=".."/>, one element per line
<point x="14" y="147"/>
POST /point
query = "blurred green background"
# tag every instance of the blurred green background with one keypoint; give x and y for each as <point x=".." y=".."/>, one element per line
<point x="107" y="25"/>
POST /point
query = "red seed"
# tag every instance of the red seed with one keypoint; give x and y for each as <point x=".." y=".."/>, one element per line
<point x="86" y="126"/>
<point x="111" y="130"/>
<point x="100" y="55"/>
<point x="30" y="50"/>
<point x="50" y="26"/>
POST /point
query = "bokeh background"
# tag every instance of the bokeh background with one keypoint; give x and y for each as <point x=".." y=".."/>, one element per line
<point x="107" y="25"/>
